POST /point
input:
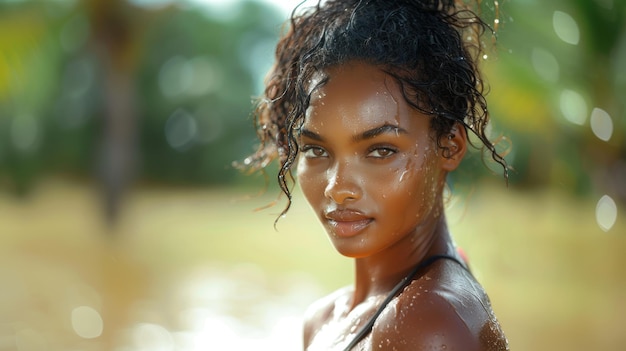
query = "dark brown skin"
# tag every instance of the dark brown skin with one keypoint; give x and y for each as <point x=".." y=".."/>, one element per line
<point x="372" y="172"/>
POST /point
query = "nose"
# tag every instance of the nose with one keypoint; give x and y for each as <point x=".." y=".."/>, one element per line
<point x="341" y="186"/>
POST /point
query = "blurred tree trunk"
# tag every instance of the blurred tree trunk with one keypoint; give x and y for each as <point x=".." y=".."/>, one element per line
<point x="116" y="42"/>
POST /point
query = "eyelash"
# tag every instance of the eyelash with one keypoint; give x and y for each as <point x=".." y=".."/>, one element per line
<point x="306" y="148"/>
<point x="318" y="152"/>
<point x="389" y="150"/>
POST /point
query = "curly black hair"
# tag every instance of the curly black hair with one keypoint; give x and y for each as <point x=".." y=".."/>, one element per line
<point x="431" y="47"/>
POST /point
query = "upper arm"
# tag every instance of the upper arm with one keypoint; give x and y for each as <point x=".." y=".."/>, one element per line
<point x="430" y="324"/>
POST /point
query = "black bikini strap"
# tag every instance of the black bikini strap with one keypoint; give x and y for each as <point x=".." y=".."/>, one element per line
<point x="367" y="328"/>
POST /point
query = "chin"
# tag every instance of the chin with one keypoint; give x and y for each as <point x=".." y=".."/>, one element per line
<point x="354" y="249"/>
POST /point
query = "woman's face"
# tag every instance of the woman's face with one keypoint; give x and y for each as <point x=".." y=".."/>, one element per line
<point x="368" y="165"/>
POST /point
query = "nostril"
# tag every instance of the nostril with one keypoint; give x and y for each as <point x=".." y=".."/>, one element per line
<point x="340" y="193"/>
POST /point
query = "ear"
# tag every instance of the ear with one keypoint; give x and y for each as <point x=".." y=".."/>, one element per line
<point x="454" y="144"/>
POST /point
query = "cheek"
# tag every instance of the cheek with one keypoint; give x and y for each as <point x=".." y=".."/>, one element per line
<point x="310" y="182"/>
<point x="416" y="181"/>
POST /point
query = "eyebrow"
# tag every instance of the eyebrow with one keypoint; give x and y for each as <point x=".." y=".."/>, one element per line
<point x="368" y="134"/>
<point x="374" y="132"/>
<point x="310" y="134"/>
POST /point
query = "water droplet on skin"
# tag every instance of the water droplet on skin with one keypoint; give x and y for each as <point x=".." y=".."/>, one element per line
<point x="402" y="176"/>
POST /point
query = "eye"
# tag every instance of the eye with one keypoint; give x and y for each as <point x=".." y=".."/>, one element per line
<point x="381" y="152"/>
<point x="310" y="151"/>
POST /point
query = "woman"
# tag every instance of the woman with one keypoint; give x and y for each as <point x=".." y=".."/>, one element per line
<point x="373" y="101"/>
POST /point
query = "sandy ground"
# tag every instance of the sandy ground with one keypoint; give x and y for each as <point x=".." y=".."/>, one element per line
<point x="199" y="269"/>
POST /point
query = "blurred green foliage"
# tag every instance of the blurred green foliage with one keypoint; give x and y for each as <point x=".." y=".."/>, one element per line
<point x="194" y="73"/>
<point x="557" y="80"/>
<point x="556" y="73"/>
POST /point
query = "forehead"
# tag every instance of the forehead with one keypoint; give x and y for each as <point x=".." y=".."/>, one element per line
<point x="349" y="83"/>
<point x="359" y="94"/>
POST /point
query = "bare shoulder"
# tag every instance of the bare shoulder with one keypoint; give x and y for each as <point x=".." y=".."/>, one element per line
<point x="445" y="309"/>
<point x="321" y="311"/>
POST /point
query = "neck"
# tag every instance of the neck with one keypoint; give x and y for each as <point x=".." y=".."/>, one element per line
<point x="377" y="275"/>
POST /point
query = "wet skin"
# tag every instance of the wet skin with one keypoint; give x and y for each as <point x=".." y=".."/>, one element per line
<point x="370" y="169"/>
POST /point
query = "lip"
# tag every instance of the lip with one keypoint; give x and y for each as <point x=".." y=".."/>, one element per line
<point x="347" y="223"/>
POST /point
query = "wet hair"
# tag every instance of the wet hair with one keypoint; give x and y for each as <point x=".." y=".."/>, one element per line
<point x="431" y="47"/>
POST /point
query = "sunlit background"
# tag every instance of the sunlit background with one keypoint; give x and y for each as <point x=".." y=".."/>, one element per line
<point x="124" y="226"/>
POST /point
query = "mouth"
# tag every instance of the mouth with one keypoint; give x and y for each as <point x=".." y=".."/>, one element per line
<point x="347" y="223"/>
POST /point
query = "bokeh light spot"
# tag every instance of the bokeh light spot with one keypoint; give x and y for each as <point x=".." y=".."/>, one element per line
<point x="606" y="213"/>
<point x="175" y="77"/>
<point x="573" y="107"/>
<point x="545" y="64"/>
<point x="87" y="322"/>
<point x="601" y="124"/>
<point x="566" y="27"/>
<point x="180" y="129"/>
<point x="206" y="77"/>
